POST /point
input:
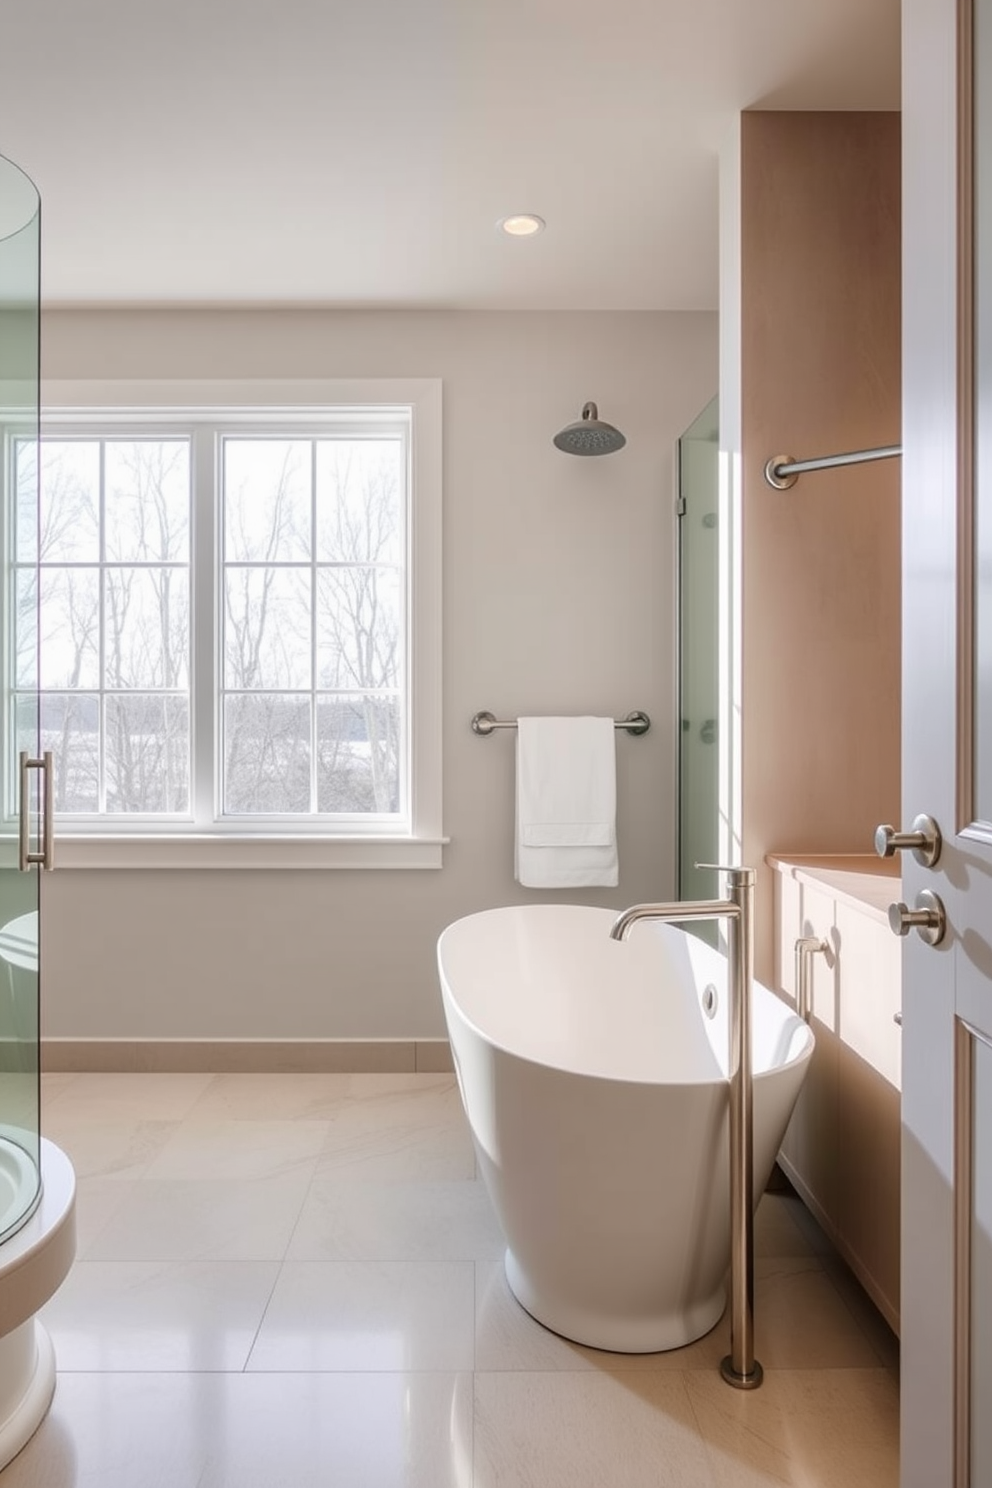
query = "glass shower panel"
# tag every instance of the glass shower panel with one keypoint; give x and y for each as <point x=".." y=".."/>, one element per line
<point x="698" y="657"/>
<point x="19" y="390"/>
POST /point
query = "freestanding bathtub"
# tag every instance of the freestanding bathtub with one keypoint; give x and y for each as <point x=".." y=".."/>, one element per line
<point x="595" y="1083"/>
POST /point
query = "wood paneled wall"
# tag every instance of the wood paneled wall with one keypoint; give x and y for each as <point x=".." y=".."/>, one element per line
<point x="820" y="374"/>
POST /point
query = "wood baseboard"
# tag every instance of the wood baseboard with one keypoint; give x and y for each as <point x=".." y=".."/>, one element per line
<point x="246" y="1056"/>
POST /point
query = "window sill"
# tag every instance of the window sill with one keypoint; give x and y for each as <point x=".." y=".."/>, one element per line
<point x="217" y="852"/>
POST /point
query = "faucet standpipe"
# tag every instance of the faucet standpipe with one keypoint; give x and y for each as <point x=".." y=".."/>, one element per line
<point x="739" y="1368"/>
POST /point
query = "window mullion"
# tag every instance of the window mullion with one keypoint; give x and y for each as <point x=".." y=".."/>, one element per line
<point x="101" y="592"/>
<point x="205" y="658"/>
<point x="313" y="626"/>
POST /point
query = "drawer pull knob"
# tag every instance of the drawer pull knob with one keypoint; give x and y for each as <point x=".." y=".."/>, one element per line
<point x="928" y="918"/>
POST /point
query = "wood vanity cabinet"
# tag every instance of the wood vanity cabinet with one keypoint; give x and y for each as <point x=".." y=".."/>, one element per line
<point x="842" y="1148"/>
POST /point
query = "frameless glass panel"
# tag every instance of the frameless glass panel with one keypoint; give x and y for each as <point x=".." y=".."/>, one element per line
<point x="358" y="628"/>
<point x="267" y="638"/>
<point x="358" y="754"/>
<point x="981" y="1268"/>
<point x="360" y="500"/>
<point x="148" y="752"/>
<point x="19" y="389"/>
<point x="266" y="753"/>
<point x="23" y="616"/>
<point x="26" y="500"/>
<point x="146" y="627"/>
<point x="698" y="659"/>
<point x="982" y="631"/>
<point x="146" y="501"/>
<point x="267" y="500"/>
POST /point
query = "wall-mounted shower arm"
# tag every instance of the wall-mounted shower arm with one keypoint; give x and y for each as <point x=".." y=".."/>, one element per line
<point x="782" y="472"/>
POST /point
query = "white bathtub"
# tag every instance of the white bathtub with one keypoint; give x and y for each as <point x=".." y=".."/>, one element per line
<point x="595" y="1087"/>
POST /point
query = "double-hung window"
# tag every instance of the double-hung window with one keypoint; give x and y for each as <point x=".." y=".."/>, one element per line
<point x="237" y="616"/>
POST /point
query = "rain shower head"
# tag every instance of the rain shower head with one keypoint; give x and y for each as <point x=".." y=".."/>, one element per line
<point x="590" y="436"/>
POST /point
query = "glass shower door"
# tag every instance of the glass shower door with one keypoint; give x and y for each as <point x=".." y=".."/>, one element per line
<point x="698" y="659"/>
<point x="19" y="542"/>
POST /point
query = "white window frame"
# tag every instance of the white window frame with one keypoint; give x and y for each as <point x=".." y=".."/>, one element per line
<point x="277" y="406"/>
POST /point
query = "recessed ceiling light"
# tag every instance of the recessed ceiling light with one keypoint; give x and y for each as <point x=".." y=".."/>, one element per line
<point x="521" y="225"/>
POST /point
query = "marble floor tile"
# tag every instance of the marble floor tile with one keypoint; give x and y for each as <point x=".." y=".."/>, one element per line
<point x="507" y="1337"/>
<point x="776" y="1231"/>
<point x="430" y="1221"/>
<point x="369" y="1315"/>
<point x="808" y="1223"/>
<point x="302" y="1097"/>
<point x="119" y="1431"/>
<point x="232" y="1150"/>
<point x="869" y="1319"/>
<point x="390" y="1127"/>
<point x="587" y="1430"/>
<point x="107" y="1147"/>
<point x="143" y="1097"/>
<point x="179" y="1220"/>
<point x="824" y="1428"/>
<point x="342" y="1431"/>
<point x="55" y="1085"/>
<point x="97" y="1201"/>
<point x="154" y="1315"/>
<point x="800" y="1321"/>
<point x="285" y="1282"/>
<point x="252" y="1431"/>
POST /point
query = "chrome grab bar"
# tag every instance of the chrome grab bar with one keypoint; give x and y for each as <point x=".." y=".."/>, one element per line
<point x="740" y="1368"/>
<point x="782" y="472"/>
<point x="46" y="857"/>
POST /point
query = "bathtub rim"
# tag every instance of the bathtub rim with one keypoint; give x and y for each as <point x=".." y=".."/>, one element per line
<point x="804" y="1054"/>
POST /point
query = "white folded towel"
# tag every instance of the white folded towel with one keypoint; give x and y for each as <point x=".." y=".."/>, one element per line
<point x="566" y="803"/>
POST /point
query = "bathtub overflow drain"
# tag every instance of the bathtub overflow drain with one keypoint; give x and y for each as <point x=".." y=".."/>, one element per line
<point x="710" y="1000"/>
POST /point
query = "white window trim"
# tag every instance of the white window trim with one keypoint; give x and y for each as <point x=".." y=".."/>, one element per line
<point x="421" y="846"/>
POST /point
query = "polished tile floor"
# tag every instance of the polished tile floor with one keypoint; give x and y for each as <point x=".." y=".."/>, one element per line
<point x="294" y="1280"/>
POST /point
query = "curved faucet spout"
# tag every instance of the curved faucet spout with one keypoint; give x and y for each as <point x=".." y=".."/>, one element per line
<point x="688" y="909"/>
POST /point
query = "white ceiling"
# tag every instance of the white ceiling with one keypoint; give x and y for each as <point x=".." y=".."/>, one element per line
<point x="359" y="152"/>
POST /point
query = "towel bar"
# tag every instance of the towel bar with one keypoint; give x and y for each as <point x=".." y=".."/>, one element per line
<point x="634" y="723"/>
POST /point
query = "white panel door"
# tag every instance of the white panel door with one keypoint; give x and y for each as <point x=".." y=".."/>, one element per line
<point x="947" y="743"/>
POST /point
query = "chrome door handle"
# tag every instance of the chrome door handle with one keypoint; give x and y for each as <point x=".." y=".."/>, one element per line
<point x="924" y="841"/>
<point x="47" y="855"/>
<point x="928" y="918"/>
<point x="807" y="946"/>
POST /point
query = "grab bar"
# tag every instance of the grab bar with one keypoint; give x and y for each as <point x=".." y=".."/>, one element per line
<point x="484" y="723"/>
<point x="782" y="472"/>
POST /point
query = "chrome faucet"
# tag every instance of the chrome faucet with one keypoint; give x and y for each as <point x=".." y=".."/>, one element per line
<point x="739" y="1368"/>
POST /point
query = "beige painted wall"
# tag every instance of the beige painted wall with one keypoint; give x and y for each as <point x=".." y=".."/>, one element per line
<point x="558" y="597"/>
<point x="819" y="374"/>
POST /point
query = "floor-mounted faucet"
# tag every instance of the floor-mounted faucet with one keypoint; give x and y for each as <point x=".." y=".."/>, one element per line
<point x="739" y="1368"/>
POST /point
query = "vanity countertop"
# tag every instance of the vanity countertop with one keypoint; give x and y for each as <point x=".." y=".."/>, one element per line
<point x="864" y="880"/>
